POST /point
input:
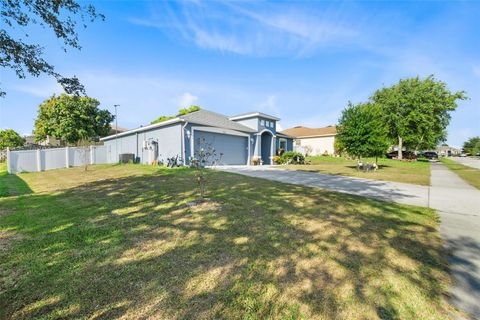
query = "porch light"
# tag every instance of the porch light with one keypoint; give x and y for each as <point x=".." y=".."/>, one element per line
<point x="189" y="134"/>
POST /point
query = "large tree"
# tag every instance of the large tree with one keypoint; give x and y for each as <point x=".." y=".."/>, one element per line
<point x="362" y="131"/>
<point x="61" y="16"/>
<point x="10" y="139"/>
<point x="417" y="111"/>
<point x="472" y="145"/>
<point x="71" y="119"/>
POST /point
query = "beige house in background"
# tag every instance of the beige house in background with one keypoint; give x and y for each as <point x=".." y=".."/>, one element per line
<point x="313" y="141"/>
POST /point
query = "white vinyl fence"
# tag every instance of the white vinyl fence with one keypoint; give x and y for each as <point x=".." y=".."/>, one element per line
<point x="47" y="159"/>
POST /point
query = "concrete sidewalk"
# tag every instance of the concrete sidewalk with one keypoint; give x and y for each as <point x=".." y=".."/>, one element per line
<point x="457" y="202"/>
<point x="458" y="205"/>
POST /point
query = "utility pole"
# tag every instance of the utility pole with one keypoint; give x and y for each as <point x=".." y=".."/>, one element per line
<point x="116" y="130"/>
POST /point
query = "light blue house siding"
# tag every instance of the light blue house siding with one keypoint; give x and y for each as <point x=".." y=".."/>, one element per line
<point x="239" y="140"/>
<point x="142" y="144"/>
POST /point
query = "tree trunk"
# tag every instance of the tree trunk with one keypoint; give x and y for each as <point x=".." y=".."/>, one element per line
<point x="400" y="147"/>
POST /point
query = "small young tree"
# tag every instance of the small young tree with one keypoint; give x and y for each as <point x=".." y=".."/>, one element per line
<point x="83" y="147"/>
<point x="10" y="139"/>
<point x="206" y="155"/>
<point x="362" y="131"/>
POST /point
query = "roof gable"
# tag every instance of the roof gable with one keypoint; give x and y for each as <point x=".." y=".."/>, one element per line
<point x="214" y="119"/>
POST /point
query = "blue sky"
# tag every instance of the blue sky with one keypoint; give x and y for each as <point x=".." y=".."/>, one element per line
<point x="301" y="61"/>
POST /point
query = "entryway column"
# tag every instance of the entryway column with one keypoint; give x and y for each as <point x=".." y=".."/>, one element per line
<point x="272" y="148"/>
<point x="257" y="150"/>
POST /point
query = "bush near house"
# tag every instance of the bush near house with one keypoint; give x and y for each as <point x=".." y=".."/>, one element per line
<point x="292" y="157"/>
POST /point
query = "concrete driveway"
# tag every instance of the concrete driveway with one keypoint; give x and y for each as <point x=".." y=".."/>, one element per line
<point x="457" y="202"/>
<point x="471" y="162"/>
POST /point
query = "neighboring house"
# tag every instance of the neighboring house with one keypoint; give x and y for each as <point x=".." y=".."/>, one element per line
<point x="447" y="151"/>
<point x="114" y="130"/>
<point x="49" y="142"/>
<point x="313" y="141"/>
<point x="239" y="138"/>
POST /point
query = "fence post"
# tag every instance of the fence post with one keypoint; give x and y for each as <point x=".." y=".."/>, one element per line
<point x="92" y="155"/>
<point x="67" y="157"/>
<point x="39" y="161"/>
<point x="9" y="169"/>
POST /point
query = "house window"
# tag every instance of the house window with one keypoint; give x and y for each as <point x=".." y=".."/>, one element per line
<point x="262" y="122"/>
<point x="283" y="144"/>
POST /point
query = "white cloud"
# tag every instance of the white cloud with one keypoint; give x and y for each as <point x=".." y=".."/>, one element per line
<point x="186" y="100"/>
<point x="254" y="28"/>
<point x="270" y="105"/>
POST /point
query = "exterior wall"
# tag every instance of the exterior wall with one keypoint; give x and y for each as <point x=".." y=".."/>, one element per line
<point x="256" y="124"/>
<point x="251" y="123"/>
<point x="264" y="125"/>
<point x="289" y="143"/>
<point x="167" y="137"/>
<point x="319" y="145"/>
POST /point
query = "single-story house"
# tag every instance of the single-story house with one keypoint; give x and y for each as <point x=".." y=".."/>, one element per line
<point x="240" y="138"/>
<point x="446" y="151"/>
<point x="313" y="141"/>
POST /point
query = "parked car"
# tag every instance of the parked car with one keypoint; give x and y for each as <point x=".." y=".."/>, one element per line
<point x="408" y="155"/>
<point x="431" y="155"/>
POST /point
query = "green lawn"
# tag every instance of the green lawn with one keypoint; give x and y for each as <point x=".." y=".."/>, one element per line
<point x="416" y="172"/>
<point x="469" y="174"/>
<point x="121" y="241"/>
<point x="11" y="184"/>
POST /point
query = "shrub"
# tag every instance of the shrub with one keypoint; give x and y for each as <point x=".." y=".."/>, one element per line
<point x="292" y="157"/>
<point x="276" y="159"/>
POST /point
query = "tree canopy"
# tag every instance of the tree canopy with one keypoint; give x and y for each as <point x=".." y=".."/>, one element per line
<point x="417" y="111"/>
<point x="10" y="139"/>
<point x="181" y="112"/>
<point x="362" y="131"/>
<point x="72" y="119"/>
<point x="472" y="145"/>
<point x="61" y="16"/>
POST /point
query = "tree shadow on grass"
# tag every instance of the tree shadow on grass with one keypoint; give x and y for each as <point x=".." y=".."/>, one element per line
<point x="132" y="248"/>
<point x="12" y="185"/>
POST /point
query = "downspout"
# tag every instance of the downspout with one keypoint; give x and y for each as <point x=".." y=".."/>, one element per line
<point x="183" y="144"/>
<point x="136" y="147"/>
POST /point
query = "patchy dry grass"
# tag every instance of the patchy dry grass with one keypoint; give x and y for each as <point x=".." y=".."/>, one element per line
<point x="416" y="172"/>
<point x="122" y="242"/>
<point x="469" y="174"/>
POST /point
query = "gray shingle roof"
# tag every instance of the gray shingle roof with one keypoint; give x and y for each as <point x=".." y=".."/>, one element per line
<point x="214" y="119"/>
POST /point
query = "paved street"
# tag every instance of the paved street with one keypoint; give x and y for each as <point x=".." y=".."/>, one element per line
<point x="471" y="162"/>
<point x="457" y="202"/>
